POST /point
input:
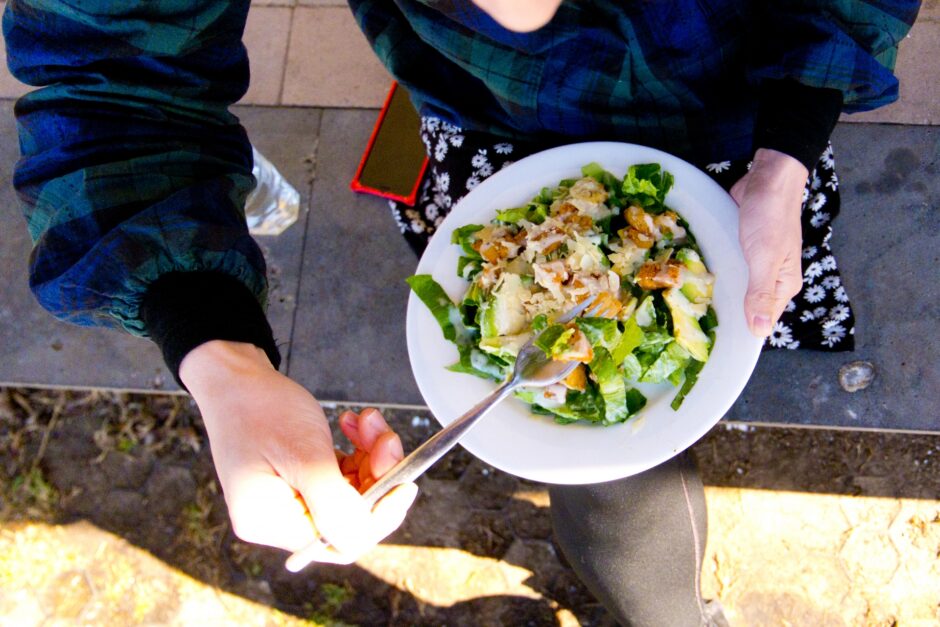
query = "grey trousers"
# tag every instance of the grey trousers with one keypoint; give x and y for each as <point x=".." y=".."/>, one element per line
<point x="637" y="543"/>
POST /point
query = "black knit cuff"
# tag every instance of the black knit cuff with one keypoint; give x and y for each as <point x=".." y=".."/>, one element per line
<point x="796" y="119"/>
<point x="182" y="310"/>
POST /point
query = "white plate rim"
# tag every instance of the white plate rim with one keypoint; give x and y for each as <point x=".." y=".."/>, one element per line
<point x="729" y="367"/>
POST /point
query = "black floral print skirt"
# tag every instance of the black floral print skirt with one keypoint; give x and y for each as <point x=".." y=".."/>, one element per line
<point x="819" y="317"/>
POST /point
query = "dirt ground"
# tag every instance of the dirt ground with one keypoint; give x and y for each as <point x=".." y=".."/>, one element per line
<point x="139" y="468"/>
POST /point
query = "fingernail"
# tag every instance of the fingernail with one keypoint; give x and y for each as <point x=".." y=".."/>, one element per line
<point x="762" y="325"/>
<point x="373" y="418"/>
<point x="395" y="448"/>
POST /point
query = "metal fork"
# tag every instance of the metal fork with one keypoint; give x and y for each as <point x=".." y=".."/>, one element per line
<point x="532" y="368"/>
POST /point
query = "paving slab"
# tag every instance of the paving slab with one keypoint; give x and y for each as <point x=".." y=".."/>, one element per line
<point x="9" y="86"/>
<point x="887" y="241"/>
<point x="919" y="75"/>
<point x="330" y="62"/>
<point x="267" y="32"/>
<point x="349" y="335"/>
<point x="40" y="350"/>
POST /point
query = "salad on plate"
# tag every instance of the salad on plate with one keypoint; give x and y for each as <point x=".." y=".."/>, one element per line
<point x="598" y="235"/>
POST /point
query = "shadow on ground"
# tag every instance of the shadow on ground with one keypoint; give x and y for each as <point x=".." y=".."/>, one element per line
<point x="139" y="466"/>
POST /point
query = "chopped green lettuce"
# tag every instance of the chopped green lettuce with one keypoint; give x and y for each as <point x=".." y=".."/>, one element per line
<point x="464" y="238"/>
<point x="647" y="185"/>
<point x="612" y="387"/>
<point x="442" y="308"/>
<point x="691" y="376"/>
<point x="554" y="340"/>
<point x="600" y="332"/>
<point x="630" y="339"/>
<point x="673" y="358"/>
<point x="533" y="212"/>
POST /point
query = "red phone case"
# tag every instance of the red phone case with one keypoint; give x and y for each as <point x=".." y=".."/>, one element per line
<point x="357" y="186"/>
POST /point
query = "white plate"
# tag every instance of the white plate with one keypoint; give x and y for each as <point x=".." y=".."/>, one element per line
<point x="514" y="440"/>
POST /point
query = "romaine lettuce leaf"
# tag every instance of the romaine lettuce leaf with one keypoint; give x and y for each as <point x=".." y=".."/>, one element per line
<point x="533" y="212"/>
<point x="442" y="308"/>
<point x="673" y="358"/>
<point x="691" y="376"/>
<point x="647" y="185"/>
<point x="554" y="340"/>
<point x="476" y="362"/>
<point x="611" y="385"/>
<point x="600" y="332"/>
<point x="464" y="238"/>
<point x="630" y="339"/>
<point x="632" y="368"/>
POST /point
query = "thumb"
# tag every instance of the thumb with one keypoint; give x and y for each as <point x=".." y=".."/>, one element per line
<point x="339" y="513"/>
<point x="760" y="300"/>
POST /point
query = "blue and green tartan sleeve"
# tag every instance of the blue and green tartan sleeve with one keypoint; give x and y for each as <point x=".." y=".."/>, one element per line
<point x="846" y="45"/>
<point x="132" y="166"/>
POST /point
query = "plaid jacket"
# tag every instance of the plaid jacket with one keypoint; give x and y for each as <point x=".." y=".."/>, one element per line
<point x="132" y="167"/>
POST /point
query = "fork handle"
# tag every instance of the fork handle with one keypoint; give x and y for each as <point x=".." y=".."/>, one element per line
<point x="420" y="459"/>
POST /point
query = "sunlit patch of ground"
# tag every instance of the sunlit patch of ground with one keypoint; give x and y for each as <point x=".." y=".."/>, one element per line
<point x="110" y="514"/>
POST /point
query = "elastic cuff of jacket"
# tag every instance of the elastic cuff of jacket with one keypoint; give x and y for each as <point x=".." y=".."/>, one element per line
<point x="796" y="119"/>
<point x="182" y="310"/>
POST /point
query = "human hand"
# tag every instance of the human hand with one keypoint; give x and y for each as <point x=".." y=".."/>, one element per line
<point x="770" y="197"/>
<point x="274" y="455"/>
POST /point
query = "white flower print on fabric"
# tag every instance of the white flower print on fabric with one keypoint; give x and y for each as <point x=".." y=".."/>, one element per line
<point x="809" y="252"/>
<point x="503" y="149"/>
<point x="814" y="294"/>
<point x="432" y="212"/>
<point x="816" y="182"/>
<point x="819" y="200"/>
<point x="441" y="200"/>
<point x="485" y="170"/>
<point x="813" y="271"/>
<point x="819" y="219"/>
<point x="450" y="129"/>
<point x="833" y="335"/>
<point x="825" y="242"/>
<point x="791" y="306"/>
<point x="417" y="223"/>
<point x="819" y="312"/>
<point x="472" y="182"/>
<point x="780" y="336"/>
<point x="827" y="159"/>
<point x="442" y="182"/>
<point x="828" y="263"/>
<point x="831" y="282"/>
<point x="440" y="149"/>
<point x="839" y="313"/>
<point x="719" y="167"/>
<point x="792" y="346"/>
<point x="456" y="141"/>
<point x="833" y="182"/>
<point x="840" y="295"/>
<point x="479" y="160"/>
<point x="402" y="226"/>
<point x="807" y="315"/>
